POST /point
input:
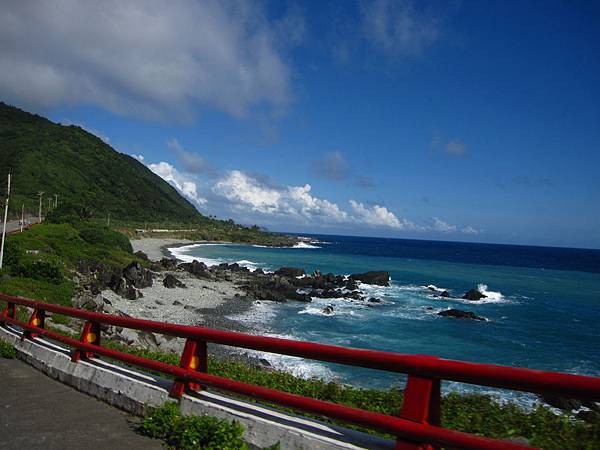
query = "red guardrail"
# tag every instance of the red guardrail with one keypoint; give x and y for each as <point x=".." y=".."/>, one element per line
<point x="418" y="424"/>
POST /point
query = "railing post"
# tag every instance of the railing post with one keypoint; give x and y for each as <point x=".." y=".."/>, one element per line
<point x="421" y="404"/>
<point x="37" y="319"/>
<point x="89" y="335"/>
<point x="10" y="311"/>
<point x="195" y="357"/>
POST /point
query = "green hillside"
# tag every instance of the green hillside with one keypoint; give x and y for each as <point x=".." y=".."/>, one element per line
<point x="80" y="168"/>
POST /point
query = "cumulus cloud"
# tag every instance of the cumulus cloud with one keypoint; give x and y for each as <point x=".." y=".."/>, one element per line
<point x="183" y="184"/>
<point x="470" y="230"/>
<point x="444" y="227"/>
<point x="378" y="216"/>
<point x="398" y="27"/>
<point x="152" y="59"/>
<point x="333" y="166"/>
<point x="192" y="162"/>
<point x="139" y="157"/>
<point x="247" y="192"/>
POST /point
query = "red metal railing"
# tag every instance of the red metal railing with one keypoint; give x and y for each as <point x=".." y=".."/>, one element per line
<point x="418" y="425"/>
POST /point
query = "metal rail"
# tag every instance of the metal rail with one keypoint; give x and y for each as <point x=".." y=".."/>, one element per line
<point x="418" y="424"/>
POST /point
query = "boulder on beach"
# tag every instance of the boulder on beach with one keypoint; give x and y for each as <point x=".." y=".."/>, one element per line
<point x="289" y="272"/>
<point x="137" y="275"/>
<point x="131" y="293"/>
<point x="196" y="268"/>
<point x="379" y="278"/>
<point x="459" y="314"/>
<point x="171" y="282"/>
<point x="473" y="295"/>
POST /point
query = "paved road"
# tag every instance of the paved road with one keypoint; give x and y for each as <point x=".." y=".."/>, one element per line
<point x="37" y="412"/>
<point x="13" y="225"/>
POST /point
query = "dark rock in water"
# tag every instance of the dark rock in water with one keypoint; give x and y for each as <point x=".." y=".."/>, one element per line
<point x="289" y="272"/>
<point x="473" y="295"/>
<point x="568" y="404"/>
<point x="457" y="313"/>
<point x="328" y="310"/>
<point x="429" y="308"/>
<point x="131" y="293"/>
<point x="374" y="300"/>
<point x="445" y="294"/>
<point x="259" y="271"/>
<point x="588" y="416"/>
<point x="431" y="288"/>
<point x="137" y="275"/>
<point x="378" y="278"/>
<point x="171" y="282"/>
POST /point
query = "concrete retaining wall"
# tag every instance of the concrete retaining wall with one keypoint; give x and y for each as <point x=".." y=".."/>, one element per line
<point x="134" y="391"/>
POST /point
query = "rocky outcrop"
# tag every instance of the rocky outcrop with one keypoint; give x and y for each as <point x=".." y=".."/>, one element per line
<point x="459" y="314"/>
<point x="197" y="268"/>
<point x="171" y="282"/>
<point x="473" y="295"/>
<point x="377" y="278"/>
<point x="445" y="294"/>
<point x="289" y="272"/>
<point x="328" y="310"/>
<point x="137" y="276"/>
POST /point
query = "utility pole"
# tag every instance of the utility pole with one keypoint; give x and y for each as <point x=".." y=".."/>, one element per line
<point x="56" y="200"/>
<point x="22" y="216"/>
<point x="49" y="203"/>
<point x="4" y="223"/>
<point x="108" y="220"/>
<point x="41" y="194"/>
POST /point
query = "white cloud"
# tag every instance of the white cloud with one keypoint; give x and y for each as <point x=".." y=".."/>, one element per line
<point x="186" y="186"/>
<point x="444" y="227"/>
<point x="470" y="230"/>
<point x="378" y="216"/>
<point x="247" y="192"/>
<point x="139" y="157"/>
<point x="153" y="59"/>
<point x="398" y="28"/>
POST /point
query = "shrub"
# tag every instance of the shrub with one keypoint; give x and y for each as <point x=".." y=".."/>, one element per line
<point x="39" y="270"/>
<point x="7" y="351"/>
<point x="103" y="236"/>
<point x="192" y="432"/>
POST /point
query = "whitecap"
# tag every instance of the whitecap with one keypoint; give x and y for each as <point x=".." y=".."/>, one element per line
<point x="305" y="245"/>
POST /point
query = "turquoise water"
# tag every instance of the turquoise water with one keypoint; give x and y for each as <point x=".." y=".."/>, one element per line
<point x="537" y="317"/>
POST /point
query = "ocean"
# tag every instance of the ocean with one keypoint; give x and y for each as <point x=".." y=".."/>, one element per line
<point x="542" y="306"/>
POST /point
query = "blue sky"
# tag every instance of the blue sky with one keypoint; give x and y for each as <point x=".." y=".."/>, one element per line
<point x="472" y="121"/>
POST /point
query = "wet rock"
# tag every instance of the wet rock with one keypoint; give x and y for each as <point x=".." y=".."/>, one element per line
<point x="328" y="310"/>
<point x="264" y="362"/>
<point x="568" y="404"/>
<point x="459" y="314"/>
<point x="473" y="295"/>
<point x="171" y="282"/>
<point x="168" y="263"/>
<point x="290" y="272"/>
<point x="374" y="300"/>
<point x="445" y="294"/>
<point x="380" y="278"/>
<point x="177" y="303"/>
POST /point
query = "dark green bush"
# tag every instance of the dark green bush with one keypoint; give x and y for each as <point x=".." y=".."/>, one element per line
<point x="192" y="432"/>
<point x="7" y="351"/>
<point x="103" y="236"/>
<point x="39" y="270"/>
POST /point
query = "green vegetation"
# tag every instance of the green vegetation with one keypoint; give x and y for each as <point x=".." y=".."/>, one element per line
<point x="474" y="413"/>
<point x="192" y="432"/>
<point x="7" y="351"/>
<point x="86" y="172"/>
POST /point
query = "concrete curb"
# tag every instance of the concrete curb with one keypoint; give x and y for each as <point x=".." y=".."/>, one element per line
<point x="135" y="391"/>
